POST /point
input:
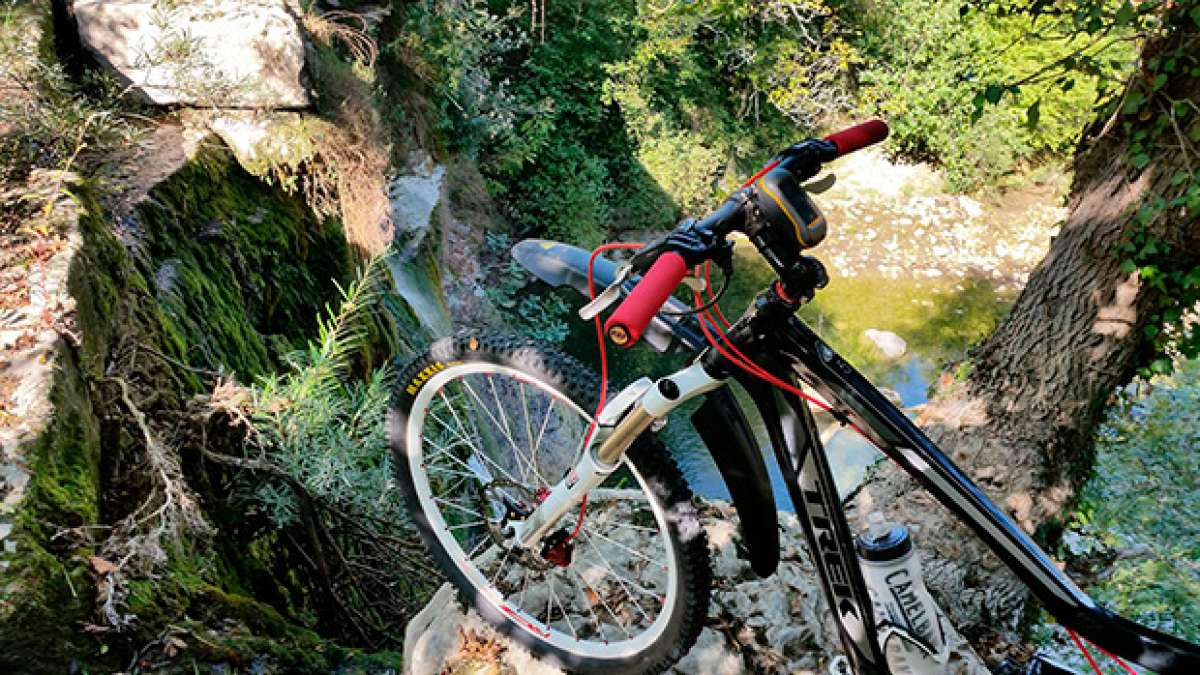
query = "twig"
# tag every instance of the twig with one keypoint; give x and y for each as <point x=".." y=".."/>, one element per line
<point x="176" y="362"/>
<point x="1184" y="144"/>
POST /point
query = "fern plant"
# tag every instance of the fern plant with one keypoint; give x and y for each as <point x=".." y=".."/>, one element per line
<point x="322" y="428"/>
<point x="322" y="475"/>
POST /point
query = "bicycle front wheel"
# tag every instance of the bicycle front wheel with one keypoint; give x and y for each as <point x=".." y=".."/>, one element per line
<point x="480" y="428"/>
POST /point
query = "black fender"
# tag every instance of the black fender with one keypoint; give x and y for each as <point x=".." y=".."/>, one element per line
<point x="723" y="427"/>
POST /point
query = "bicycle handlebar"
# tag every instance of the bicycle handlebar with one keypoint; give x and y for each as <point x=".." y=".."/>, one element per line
<point x="858" y="137"/>
<point x="626" y="324"/>
<point x="629" y="321"/>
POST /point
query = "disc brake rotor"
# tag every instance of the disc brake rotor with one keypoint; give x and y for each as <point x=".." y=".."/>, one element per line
<point x="509" y="502"/>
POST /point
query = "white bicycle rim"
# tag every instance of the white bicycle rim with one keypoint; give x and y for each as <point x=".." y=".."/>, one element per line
<point x="552" y="635"/>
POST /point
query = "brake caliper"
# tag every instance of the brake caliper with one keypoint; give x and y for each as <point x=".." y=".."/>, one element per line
<point x="558" y="547"/>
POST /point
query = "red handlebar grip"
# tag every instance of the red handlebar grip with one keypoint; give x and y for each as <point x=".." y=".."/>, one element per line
<point x="859" y="137"/>
<point x="626" y="324"/>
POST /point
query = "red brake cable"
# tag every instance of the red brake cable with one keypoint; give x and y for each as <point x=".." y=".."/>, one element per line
<point x="745" y="363"/>
<point x="603" y="359"/>
<point x="1091" y="661"/>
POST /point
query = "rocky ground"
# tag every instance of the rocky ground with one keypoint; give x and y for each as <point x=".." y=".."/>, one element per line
<point x="773" y="625"/>
<point x="891" y="219"/>
<point x="35" y="315"/>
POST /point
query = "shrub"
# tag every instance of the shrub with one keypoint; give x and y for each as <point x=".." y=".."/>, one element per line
<point x="925" y="67"/>
<point x="616" y="116"/>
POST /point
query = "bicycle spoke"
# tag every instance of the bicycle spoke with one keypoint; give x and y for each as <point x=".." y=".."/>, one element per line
<point x="445" y="451"/>
<point x="464" y="509"/>
<point x="500" y="409"/>
<point x="503" y="429"/>
<point x="528" y="425"/>
<point x="481" y="544"/>
<point x="448" y="472"/>
<point x="621" y="582"/>
<point x="562" y="608"/>
<point x="541" y="432"/>
<point x="629" y="526"/>
<point x="588" y="603"/>
<point x="623" y="547"/>
<point x="481" y="455"/>
<point x="600" y="597"/>
<point x="462" y="525"/>
<point x="500" y="568"/>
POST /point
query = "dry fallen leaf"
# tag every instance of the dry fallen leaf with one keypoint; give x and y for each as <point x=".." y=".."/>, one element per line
<point x="172" y="646"/>
<point x="101" y="566"/>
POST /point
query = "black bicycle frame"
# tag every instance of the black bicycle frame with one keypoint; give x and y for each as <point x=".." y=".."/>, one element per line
<point x="786" y="341"/>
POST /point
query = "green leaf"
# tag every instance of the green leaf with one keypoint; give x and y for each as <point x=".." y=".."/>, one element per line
<point x="1141" y="160"/>
<point x="1179" y="177"/>
<point x="1159" y="81"/>
<point x="1128" y="266"/>
<point x="1192" y="280"/>
<point x="1151" y="331"/>
<point x="1134" y="102"/>
<point x="1033" y="114"/>
<point x="993" y="92"/>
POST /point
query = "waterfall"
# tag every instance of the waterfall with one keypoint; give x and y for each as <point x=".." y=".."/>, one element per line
<point x="414" y="198"/>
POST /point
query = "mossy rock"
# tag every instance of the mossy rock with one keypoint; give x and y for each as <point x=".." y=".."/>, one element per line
<point x="46" y="593"/>
<point x="232" y="261"/>
<point x="216" y="270"/>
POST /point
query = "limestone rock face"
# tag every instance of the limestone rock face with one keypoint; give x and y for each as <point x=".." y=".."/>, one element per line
<point x="212" y="53"/>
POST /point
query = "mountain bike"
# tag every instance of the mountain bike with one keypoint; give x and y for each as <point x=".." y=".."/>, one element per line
<point x="561" y="518"/>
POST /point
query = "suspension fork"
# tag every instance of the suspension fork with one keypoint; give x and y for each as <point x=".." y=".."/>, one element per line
<point x="630" y="414"/>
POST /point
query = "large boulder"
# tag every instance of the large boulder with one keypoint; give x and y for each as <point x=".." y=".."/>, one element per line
<point x="211" y="53"/>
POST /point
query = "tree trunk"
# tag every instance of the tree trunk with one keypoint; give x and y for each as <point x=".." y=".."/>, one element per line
<point x="1022" y="422"/>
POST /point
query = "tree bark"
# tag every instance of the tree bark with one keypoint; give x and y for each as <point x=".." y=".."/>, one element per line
<point x="1022" y="422"/>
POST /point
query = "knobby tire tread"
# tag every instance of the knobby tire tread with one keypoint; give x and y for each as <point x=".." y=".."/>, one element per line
<point x="648" y="454"/>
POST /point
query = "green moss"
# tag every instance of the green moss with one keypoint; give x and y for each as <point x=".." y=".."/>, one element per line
<point x="226" y="272"/>
<point x="232" y="261"/>
<point x="46" y="592"/>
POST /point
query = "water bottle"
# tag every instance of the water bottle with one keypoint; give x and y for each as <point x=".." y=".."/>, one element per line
<point x="892" y="570"/>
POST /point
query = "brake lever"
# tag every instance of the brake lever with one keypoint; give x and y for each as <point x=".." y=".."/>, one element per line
<point x="821" y="184"/>
<point x="608" y="296"/>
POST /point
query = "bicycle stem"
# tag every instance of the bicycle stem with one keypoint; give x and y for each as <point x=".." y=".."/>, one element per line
<point x="630" y="414"/>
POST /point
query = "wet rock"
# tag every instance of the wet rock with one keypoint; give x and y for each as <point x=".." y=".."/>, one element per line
<point x="211" y="53"/>
<point x="893" y="346"/>
<point x="414" y="196"/>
